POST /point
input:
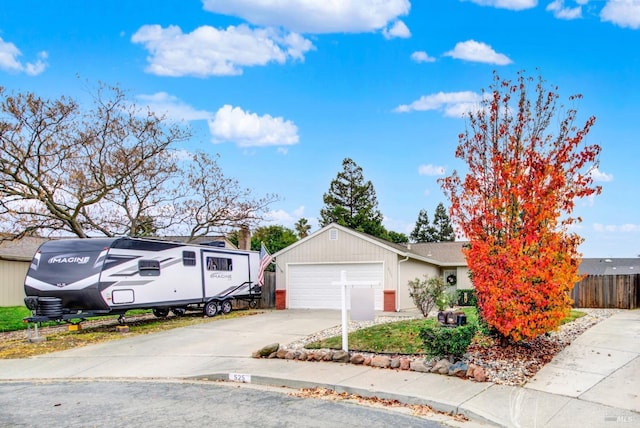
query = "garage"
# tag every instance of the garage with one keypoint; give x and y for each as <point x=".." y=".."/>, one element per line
<point x="311" y="285"/>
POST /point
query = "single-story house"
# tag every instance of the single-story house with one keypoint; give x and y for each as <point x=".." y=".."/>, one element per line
<point x="307" y="270"/>
<point x="610" y="266"/>
<point x="15" y="258"/>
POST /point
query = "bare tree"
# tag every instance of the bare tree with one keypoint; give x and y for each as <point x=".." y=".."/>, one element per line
<point x="109" y="170"/>
<point x="211" y="202"/>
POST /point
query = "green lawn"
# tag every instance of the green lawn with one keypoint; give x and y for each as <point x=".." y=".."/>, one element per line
<point x="401" y="337"/>
<point x="11" y="317"/>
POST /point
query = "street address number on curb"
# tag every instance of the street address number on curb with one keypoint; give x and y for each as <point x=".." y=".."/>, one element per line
<point x="238" y="377"/>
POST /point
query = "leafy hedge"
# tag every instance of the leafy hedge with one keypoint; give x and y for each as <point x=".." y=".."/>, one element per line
<point x="442" y="341"/>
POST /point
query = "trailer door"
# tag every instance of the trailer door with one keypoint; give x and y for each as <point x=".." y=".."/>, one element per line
<point x="223" y="271"/>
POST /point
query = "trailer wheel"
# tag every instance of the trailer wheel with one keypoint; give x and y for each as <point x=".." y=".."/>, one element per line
<point x="253" y="303"/>
<point x="178" y="311"/>
<point x="211" y="308"/>
<point x="160" y="312"/>
<point x="226" y="307"/>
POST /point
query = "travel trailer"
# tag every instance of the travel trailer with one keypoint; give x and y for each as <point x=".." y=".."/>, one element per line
<point x="84" y="277"/>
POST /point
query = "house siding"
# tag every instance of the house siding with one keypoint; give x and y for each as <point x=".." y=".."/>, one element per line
<point x="12" y="274"/>
<point x="345" y="249"/>
<point x="410" y="270"/>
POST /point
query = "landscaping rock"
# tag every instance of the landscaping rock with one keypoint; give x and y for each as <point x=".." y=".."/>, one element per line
<point x="441" y="367"/>
<point x="328" y="356"/>
<point x="458" y="369"/>
<point x="420" y="366"/>
<point x="405" y="363"/>
<point x="479" y="375"/>
<point x="380" y="361"/>
<point x="340" y="357"/>
<point x="302" y="356"/>
<point x="357" y="359"/>
<point x="290" y="355"/>
<point x="268" y="350"/>
<point x="470" y="370"/>
<point x="395" y="363"/>
<point x="281" y="353"/>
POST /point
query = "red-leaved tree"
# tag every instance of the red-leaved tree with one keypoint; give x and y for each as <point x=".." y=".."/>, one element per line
<point x="527" y="165"/>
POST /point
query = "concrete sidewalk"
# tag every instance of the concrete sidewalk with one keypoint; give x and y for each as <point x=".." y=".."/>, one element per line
<point x="595" y="382"/>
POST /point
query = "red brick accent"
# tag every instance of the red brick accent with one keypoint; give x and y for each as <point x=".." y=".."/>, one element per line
<point x="389" y="304"/>
<point x="281" y="299"/>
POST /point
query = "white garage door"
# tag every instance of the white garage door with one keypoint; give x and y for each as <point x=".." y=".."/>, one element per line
<point x="310" y="286"/>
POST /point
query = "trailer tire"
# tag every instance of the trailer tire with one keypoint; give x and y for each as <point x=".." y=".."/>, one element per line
<point x="211" y="309"/>
<point x="49" y="307"/>
<point x="179" y="311"/>
<point x="160" y="312"/>
<point x="253" y="304"/>
<point x="226" y="307"/>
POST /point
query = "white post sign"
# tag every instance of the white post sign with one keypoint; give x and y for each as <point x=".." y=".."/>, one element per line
<point x="364" y="302"/>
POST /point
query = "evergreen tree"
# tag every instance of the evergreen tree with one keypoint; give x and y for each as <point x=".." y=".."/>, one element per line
<point x="442" y="228"/>
<point x="397" y="237"/>
<point x="351" y="201"/>
<point x="423" y="232"/>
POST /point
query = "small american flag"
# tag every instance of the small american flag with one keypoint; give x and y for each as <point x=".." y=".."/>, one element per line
<point x="265" y="261"/>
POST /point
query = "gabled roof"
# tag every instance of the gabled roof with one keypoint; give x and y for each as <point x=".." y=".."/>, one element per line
<point x="610" y="266"/>
<point x="448" y="258"/>
<point x="449" y="252"/>
<point x="20" y="249"/>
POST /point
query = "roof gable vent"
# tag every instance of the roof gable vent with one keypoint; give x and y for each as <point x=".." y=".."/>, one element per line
<point x="333" y="235"/>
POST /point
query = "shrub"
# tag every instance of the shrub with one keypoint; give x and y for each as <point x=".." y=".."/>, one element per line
<point x="447" y="341"/>
<point x="426" y="292"/>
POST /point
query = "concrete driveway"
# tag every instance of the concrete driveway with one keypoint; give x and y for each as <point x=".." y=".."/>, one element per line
<point x="220" y="345"/>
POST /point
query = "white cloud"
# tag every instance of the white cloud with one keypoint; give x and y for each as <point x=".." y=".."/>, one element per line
<point x="9" y="54"/>
<point x="164" y="104"/>
<point x="508" y="4"/>
<point x="612" y="228"/>
<point x="453" y="104"/>
<point x="624" y="13"/>
<point x="598" y="175"/>
<point x="562" y="12"/>
<point x="280" y="217"/>
<point x="421" y="56"/>
<point x="398" y="29"/>
<point x="289" y="219"/>
<point x="431" y="170"/>
<point x="208" y="51"/>
<point x="250" y="130"/>
<point x="313" y="16"/>
<point x="477" y="52"/>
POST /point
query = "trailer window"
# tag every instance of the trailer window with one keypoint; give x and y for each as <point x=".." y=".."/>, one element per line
<point x="149" y="267"/>
<point x="219" y="263"/>
<point x="189" y="258"/>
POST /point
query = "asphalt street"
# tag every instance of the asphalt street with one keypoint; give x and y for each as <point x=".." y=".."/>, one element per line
<point x="116" y="404"/>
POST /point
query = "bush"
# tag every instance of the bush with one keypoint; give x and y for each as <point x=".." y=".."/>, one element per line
<point x="467" y="297"/>
<point x="426" y="293"/>
<point x="447" y="341"/>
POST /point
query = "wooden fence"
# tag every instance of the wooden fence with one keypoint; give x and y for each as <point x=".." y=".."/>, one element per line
<point x="607" y="291"/>
<point x="268" y="299"/>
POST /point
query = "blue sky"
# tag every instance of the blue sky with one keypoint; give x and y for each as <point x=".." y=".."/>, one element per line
<point x="284" y="90"/>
